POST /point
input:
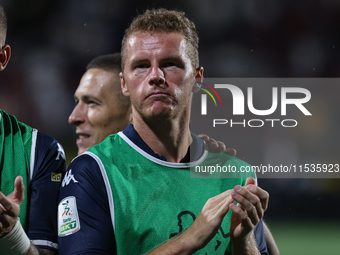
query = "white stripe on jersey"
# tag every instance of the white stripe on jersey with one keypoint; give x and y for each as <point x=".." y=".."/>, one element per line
<point x="107" y="185"/>
<point x="45" y="243"/>
<point x="32" y="162"/>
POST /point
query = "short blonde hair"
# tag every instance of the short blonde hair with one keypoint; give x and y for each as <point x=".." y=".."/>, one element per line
<point x="162" y="20"/>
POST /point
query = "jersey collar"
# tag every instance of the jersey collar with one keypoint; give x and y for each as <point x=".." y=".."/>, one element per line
<point x="196" y="148"/>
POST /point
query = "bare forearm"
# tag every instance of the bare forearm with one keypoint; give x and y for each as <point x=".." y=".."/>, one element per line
<point x="246" y="247"/>
<point x="271" y="244"/>
<point x="175" y="246"/>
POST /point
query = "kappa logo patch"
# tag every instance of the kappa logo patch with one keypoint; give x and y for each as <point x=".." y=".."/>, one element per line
<point x="61" y="153"/>
<point x="68" y="177"/>
<point x="68" y="219"/>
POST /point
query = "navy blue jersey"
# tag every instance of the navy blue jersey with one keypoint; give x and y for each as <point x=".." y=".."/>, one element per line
<point x="95" y="229"/>
<point x="49" y="167"/>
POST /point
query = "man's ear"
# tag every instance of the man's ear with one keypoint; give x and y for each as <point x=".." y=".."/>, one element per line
<point x="5" y="55"/>
<point x="198" y="79"/>
<point x="125" y="90"/>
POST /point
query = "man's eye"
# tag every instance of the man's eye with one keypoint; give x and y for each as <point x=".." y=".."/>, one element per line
<point x="172" y="65"/>
<point x="169" y="64"/>
<point x="141" y="66"/>
<point x="92" y="103"/>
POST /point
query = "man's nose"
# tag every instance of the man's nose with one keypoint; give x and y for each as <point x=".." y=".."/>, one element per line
<point x="157" y="76"/>
<point x="77" y="116"/>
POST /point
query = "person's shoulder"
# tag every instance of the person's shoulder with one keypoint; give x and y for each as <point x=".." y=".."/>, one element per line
<point x="48" y="155"/>
<point x="84" y="160"/>
<point x="83" y="170"/>
<point x="85" y="164"/>
<point x="46" y="139"/>
<point x="48" y="146"/>
<point x="106" y="146"/>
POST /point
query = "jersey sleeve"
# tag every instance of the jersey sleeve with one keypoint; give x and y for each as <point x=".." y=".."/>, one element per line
<point x="49" y="167"/>
<point x="84" y="221"/>
<point x="259" y="232"/>
<point x="260" y="239"/>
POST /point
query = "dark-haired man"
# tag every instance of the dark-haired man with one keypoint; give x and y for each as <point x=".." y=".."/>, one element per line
<point x="33" y="160"/>
<point x="135" y="187"/>
<point x="101" y="108"/>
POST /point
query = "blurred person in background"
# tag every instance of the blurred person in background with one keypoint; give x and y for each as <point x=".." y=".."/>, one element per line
<point x="101" y="108"/>
<point x="33" y="160"/>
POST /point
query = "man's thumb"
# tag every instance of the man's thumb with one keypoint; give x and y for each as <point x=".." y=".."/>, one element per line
<point x="19" y="189"/>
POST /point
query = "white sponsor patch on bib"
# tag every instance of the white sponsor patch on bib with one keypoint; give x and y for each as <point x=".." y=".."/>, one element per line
<point x="68" y="220"/>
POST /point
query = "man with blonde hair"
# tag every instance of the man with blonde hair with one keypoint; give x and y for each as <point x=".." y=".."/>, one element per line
<point x="133" y="192"/>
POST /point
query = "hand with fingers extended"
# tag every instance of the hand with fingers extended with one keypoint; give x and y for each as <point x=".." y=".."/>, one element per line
<point x="10" y="207"/>
<point x="209" y="219"/>
<point x="202" y="230"/>
<point x="217" y="146"/>
<point x="252" y="203"/>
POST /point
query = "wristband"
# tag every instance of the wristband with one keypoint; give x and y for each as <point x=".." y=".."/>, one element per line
<point x="15" y="242"/>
